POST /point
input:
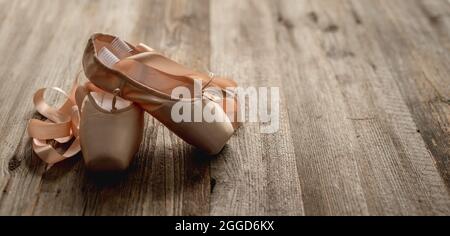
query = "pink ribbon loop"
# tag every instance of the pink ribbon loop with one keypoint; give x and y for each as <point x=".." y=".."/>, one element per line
<point x="61" y="125"/>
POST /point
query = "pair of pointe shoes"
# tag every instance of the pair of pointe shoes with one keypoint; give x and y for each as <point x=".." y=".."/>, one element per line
<point x="125" y="81"/>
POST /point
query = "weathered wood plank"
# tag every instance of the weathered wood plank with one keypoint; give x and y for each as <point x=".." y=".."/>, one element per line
<point x="257" y="174"/>
<point x="366" y="156"/>
<point x="326" y="145"/>
<point x="425" y="86"/>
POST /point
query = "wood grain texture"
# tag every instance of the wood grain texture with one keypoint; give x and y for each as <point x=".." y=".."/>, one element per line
<point x="348" y="99"/>
<point x="257" y="174"/>
<point x="364" y="107"/>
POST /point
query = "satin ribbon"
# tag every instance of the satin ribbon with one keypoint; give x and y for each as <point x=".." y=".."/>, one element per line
<point x="149" y="57"/>
<point x="157" y="61"/>
<point x="61" y="126"/>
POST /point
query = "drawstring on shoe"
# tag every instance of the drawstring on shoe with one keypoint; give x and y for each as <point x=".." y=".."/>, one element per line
<point x="116" y="93"/>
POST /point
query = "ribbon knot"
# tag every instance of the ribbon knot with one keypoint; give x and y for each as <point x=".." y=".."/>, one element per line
<point x="61" y="126"/>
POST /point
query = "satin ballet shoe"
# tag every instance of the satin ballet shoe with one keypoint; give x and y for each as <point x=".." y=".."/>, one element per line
<point x="111" y="129"/>
<point x="149" y="78"/>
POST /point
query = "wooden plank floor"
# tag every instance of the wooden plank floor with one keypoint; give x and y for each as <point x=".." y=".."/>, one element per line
<point x="364" y="122"/>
